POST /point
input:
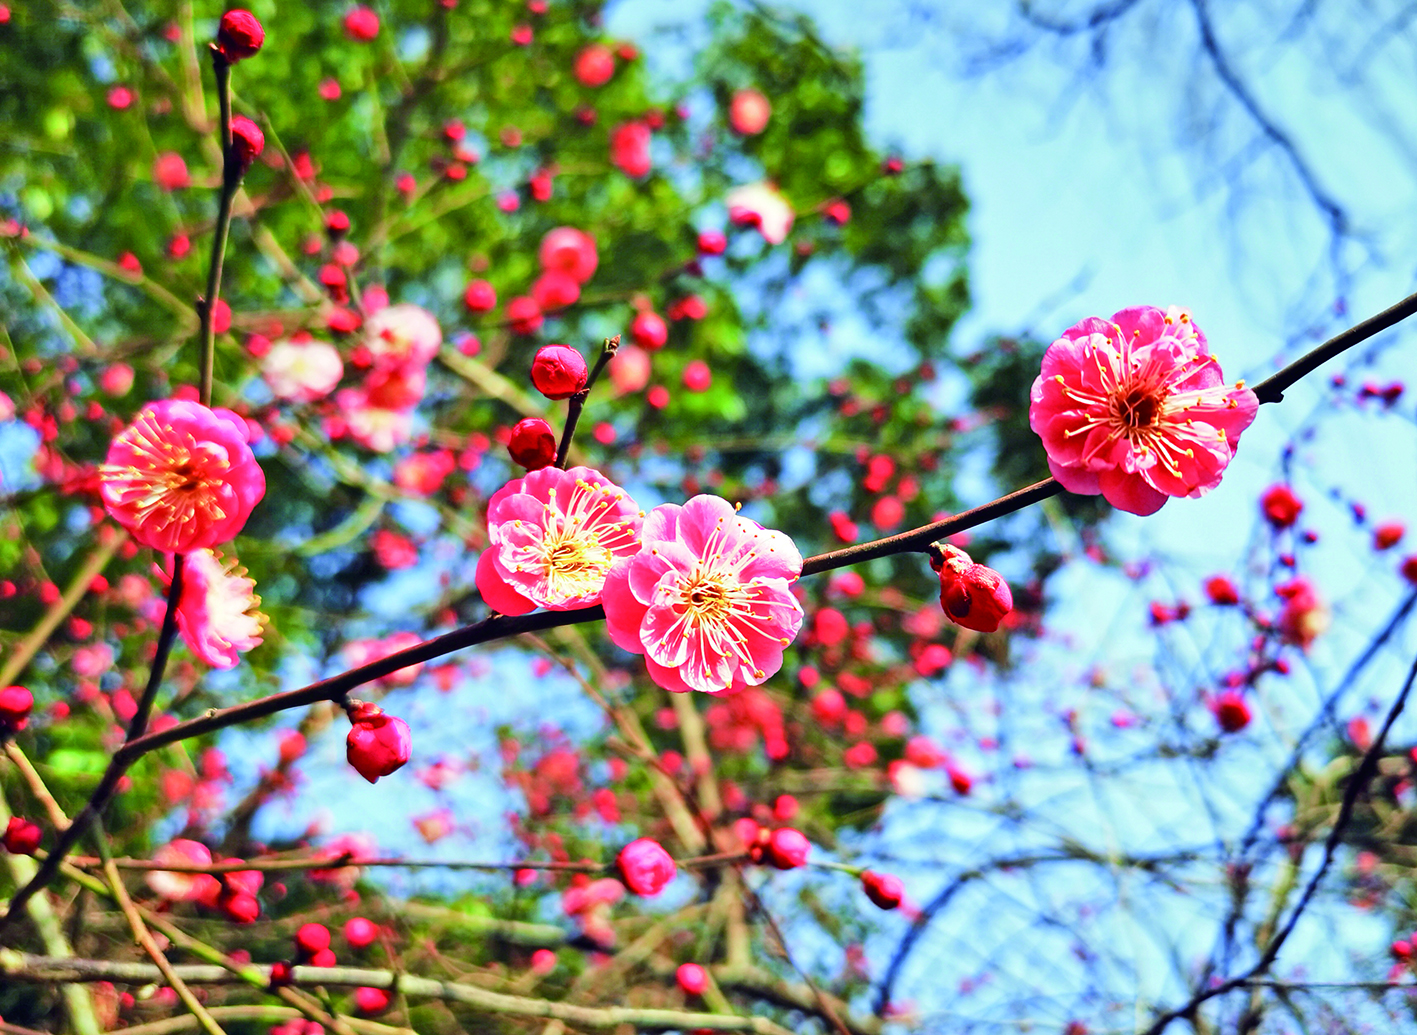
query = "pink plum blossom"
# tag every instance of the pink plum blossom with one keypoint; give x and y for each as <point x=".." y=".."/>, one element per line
<point x="181" y="887"/>
<point x="181" y="476"/>
<point x="760" y="205"/>
<point x="217" y="614"/>
<point x="552" y="536"/>
<point x="302" y="369"/>
<point x="402" y="334"/>
<point x="1135" y="409"/>
<point x="378" y="429"/>
<point x="707" y="599"/>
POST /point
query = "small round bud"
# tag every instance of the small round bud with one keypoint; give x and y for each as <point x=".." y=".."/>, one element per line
<point x="240" y="35"/>
<point x="247" y="141"/>
<point x="360" y="933"/>
<point x="480" y="297"/>
<point x="558" y="371"/>
<point x="311" y="938"/>
<point x="22" y="837"/>
<point x="883" y="889"/>
<point x="692" y="978"/>
<point x="787" y="849"/>
<point x="532" y="445"/>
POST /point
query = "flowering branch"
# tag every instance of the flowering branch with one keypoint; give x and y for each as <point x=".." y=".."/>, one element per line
<point x="20" y="966"/>
<point x="336" y="688"/>
<point x="336" y="862"/>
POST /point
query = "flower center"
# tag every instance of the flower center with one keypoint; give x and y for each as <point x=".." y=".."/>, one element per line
<point x="578" y="544"/>
<point x="1139" y="408"/>
<point x="707" y="598"/>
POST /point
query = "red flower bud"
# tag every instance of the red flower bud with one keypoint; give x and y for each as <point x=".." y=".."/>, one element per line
<point x="240" y="908"/>
<point x="311" y="938"/>
<point x="1231" y="711"/>
<point x="240" y="35"/>
<point x="1221" y="590"/>
<point x="532" y="444"/>
<point x="21" y="836"/>
<point x="247" y="141"/>
<point x="16" y="703"/>
<point x="1281" y="507"/>
<point x="787" y="849"/>
<point x="595" y="65"/>
<point x="360" y="933"/>
<point x="480" y="297"/>
<point x="883" y="889"/>
<point x="973" y="595"/>
<point x="377" y="744"/>
<point x="361" y="24"/>
<point x="282" y="974"/>
<point x="712" y="242"/>
<point x="558" y="371"/>
<point x="524" y="315"/>
<point x="649" y="330"/>
<point x="645" y="866"/>
<point x="371" y="1000"/>
<point x="692" y="978"/>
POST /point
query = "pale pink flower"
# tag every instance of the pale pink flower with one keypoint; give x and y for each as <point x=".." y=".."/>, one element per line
<point x="357" y="653"/>
<point x="760" y="205"/>
<point x="376" y="428"/>
<point x="92" y="661"/>
<point x="181" y="887"/>
<point x="707" y="599"/>
<point x="181" y="476"/>
<point x="217" y="614"/>
<point x="629" y="369"/>
<point x="302" y="370"/>
<point x="403" y="334"/>
<point x="434" y="826"/>
<point x="355" y="848"/>
<point x="551" y="537"/>
<point x="1135" y="408"/>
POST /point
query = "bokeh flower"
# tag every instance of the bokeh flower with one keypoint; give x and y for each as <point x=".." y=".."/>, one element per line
<point x="217" y="614"/>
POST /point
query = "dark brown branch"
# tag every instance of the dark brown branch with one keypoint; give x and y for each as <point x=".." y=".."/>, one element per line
<point x="1357" y="784"/>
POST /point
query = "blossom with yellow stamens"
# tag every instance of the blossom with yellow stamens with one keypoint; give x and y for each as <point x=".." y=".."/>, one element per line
<point x="1135" y="408"/>
<point x="707" y="599"/>
<point x="217" y="614"/>
<point x="552" y="537"/>
<point x="181" y="477"/>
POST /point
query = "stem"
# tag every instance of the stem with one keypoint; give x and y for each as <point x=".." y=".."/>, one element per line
<point x="19" y="967"/>
<point x="1272" y="388"/>
<point x="231" y="174"/>
<point x="578" y="401"/>
<point x="117" y="766"/>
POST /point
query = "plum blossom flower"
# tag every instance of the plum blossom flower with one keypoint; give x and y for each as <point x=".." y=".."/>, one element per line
<point x="217" y="614"/>
<point x="181" y="476"/>
<point x="302" y="369"/>
<point x="402" y="334"/>
<point x="552" y="537"/>
<point x="182" y="887"/>
<point x="1135" y="408"/>
<point x="707" y="598"/>
<point x="760" y="205"/>
<point x="377" y="428"/>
